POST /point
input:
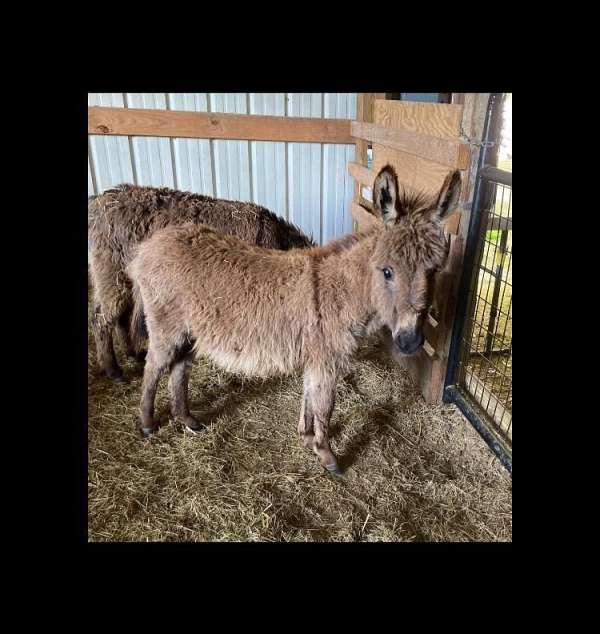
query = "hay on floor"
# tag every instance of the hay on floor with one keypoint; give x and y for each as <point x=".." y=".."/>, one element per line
<point x="413" y="472"/>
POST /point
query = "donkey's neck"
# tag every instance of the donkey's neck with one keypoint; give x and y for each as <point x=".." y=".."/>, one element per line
<point x="344" y="281"/>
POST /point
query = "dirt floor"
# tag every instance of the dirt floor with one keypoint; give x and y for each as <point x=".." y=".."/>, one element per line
<point x="412" y="472"/>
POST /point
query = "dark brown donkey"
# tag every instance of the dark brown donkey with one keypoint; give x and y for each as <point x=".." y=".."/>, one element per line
<point x="261" y="312"/>
<point x="120" y="218"/>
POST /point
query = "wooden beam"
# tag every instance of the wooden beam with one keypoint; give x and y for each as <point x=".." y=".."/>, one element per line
<point x="363" y="218"/>
<point x="448" y="152"/>
<point x="366" y="177"/>
<point x="452" y="222"/>
<point x="213" y="125"/>
<point x="364" y="112"/>
<point x="362" y="174"/>
<point x="432" y="119"/>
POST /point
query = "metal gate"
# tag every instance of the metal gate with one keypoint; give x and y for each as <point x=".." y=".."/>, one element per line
<point x="479" y="375"/>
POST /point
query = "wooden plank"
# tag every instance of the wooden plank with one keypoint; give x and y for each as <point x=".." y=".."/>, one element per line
<point x="363" y="218"/>
<point x="364" y="112"/>
<point x="404" y="164"/>
<point x="432" y="119"/>
<point x="210" y="125"/>
<point x="152" y="157"/>
<point x="110" y="155"/>
<point x="366" y="177"/>
<point x="452" y="153"/>
<point x="452" y="222"/>
<point x="361" y="173"/>
<point x="429" y="349"/>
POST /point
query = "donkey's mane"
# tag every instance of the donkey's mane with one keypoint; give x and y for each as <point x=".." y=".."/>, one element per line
<point x="415" y="202"/>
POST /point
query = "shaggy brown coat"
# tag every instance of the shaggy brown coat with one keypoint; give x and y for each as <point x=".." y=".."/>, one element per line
<point x="120" y="218"/>
<point x="261" y="312"/>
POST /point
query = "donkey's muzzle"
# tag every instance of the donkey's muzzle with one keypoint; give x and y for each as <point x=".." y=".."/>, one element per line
<point x="409" y="342"/>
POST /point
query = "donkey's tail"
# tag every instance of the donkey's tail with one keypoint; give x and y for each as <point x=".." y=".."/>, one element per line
<point x="138" y="333"/>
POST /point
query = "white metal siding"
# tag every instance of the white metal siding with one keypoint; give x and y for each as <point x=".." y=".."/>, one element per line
<point x="307" y="183"/>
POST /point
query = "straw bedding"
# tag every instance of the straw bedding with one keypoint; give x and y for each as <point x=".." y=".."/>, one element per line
<point x="413" y="472"/>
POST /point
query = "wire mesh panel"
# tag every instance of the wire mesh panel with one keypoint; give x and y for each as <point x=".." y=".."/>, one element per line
<point x="485" y="366"/>
<point x="479" y="372"/>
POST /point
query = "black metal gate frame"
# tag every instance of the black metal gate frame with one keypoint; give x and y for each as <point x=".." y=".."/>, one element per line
<point x="486" y="174"/>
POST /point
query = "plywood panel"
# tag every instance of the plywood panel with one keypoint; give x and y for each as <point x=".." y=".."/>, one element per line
<point x="152" y="156"/>
<point x="453" y="153"/>
<point x="404" y="164"/>
<point x="439" y="120"/>
<point x="193" y="160"/>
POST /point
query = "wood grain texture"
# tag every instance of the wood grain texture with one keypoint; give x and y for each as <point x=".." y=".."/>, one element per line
<point x="432" y="119"/>
<point x="362" y="174"/>
<point x="365" y="102"/>
<point x="210" y="125"/>
<point x="450" y="152"/>
<point x="427" y="173"/>
<point x="363" y="218"/>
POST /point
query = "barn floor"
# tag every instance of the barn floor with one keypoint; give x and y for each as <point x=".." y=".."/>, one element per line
<point x="412" y="472"/>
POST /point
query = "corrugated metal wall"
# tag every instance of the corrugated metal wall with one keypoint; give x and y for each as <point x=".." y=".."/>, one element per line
<point x="307" y="183"/>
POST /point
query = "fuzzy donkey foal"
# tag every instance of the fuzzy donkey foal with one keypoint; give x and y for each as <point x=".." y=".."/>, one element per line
<point x="261" y="312"/>
<point x="121" y="218"/>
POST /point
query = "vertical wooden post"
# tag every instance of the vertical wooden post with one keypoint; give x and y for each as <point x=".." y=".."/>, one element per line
<point x="475" y="106"/>
<point x="364" y="112"/>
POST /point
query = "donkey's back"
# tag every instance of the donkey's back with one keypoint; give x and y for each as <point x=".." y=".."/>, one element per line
<point x="121" y="218"/>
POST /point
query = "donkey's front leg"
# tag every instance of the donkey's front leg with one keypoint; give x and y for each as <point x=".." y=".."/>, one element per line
<point x="319" y="400"/>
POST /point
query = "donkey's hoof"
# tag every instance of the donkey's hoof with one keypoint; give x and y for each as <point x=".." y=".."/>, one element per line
<point x="117" y="377"/>
<point x="146" y="432"/>
<point x="197" y="429"/>
<point x="334" y="470"/>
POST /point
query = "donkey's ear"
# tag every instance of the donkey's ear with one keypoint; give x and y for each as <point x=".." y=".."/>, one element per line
<point x="449" y="193"/>
<point x="385" y="195"/>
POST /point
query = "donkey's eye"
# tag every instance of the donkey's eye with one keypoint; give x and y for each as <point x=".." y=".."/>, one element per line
<point x="387" y="273"/>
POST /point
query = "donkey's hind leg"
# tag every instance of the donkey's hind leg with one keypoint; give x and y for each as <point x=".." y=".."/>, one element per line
<point x="306" y="424"/>
<point x="102" y="329"/>
<point x="122" y="328"/>
<point x="156" y="362"/>
<point x="111" y="297"/>
<point x="178" y="388"/>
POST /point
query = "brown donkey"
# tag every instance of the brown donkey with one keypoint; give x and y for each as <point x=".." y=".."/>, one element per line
<point x="120" y="218"/>
<point x="261" y="312"/>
